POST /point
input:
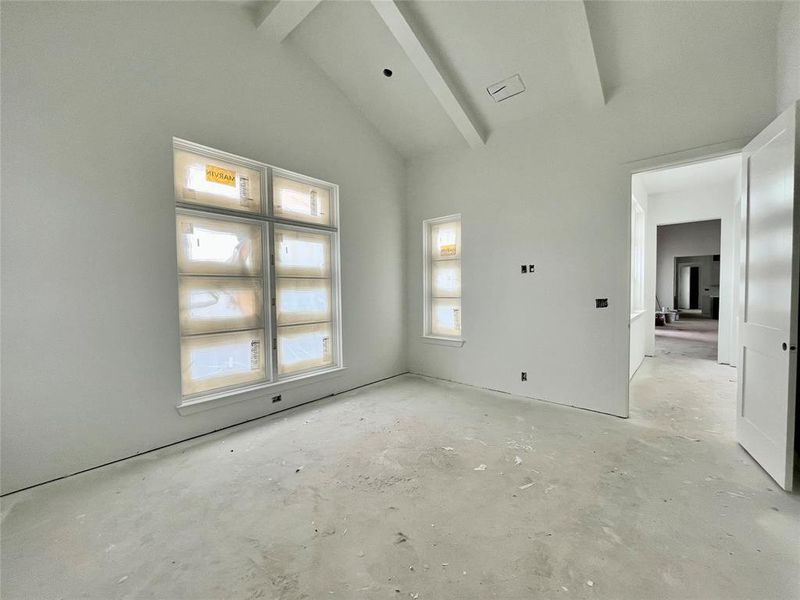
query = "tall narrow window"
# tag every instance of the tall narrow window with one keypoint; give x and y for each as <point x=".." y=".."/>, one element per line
<point x="258" y="274"/>
<point x="443" y="314"/>
<point x="637" y="256"/>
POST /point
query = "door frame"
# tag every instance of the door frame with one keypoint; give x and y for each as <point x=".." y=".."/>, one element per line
<point x="654" y="163"/>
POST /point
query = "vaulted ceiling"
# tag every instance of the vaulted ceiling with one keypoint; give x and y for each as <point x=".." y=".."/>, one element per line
<point x="570" y="55"/>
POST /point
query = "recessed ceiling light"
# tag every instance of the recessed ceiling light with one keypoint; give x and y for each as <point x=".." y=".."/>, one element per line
<point x="503" y="90"/>
<point x="388" y="72"/>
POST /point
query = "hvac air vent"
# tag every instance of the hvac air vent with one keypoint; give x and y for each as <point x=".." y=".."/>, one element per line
<point x="503" y="90"/>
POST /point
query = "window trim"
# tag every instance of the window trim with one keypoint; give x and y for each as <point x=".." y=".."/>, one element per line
<point x="192" y="403"/>
<point x="427" y="336"/>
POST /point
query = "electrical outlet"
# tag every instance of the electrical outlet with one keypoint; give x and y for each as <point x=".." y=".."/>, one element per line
<point x="276" y="398"/>
<point x="524" y="269"/>
<point x="531" y="268"/>
<point x="524" y="376"/>
<point x="601" y="302"/>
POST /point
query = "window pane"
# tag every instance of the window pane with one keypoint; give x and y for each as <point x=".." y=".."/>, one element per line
<point x="446" y="317"/>
<point x="212" y="182"/>
<point x="304" y="347"/>
<point x="213" y="361"/>
<point x="301" y="254"/>
<point x="300" y="201"/>
<point x="220" y="304"/>
<point x="446" y="279"/>
<point x="209" y="246"/>
<point x="303" y="300"/>
<point x="446" y="240"/>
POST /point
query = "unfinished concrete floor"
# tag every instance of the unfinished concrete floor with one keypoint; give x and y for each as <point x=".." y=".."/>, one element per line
<point x="415" y="488"/>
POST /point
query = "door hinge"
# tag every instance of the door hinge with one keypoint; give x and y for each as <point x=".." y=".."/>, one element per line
<point x="274" y="343"/>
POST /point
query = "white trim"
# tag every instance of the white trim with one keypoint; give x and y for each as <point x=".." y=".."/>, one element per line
<point x="636" y="314"/>
<point x="443" y="341"/>
<point x="261" y="391"/>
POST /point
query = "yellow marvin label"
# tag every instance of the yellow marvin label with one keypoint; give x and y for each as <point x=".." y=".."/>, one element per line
<point x="447" y="250"/>
<point x="220" y="175"/>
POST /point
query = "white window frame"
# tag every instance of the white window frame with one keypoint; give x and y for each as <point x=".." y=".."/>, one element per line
<point x="427" y="299"/>
<point x="637" y="257"/>
<point x="273" y="383"/>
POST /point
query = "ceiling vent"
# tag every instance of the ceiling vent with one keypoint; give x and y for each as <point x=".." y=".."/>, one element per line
<point x="503" y="90"/>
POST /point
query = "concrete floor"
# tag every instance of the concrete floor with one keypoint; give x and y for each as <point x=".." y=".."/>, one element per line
<point x="411" y="489"/>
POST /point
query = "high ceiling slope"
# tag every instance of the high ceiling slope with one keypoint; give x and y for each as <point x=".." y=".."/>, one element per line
<point x="351" y="43"/>
<point x="669" y="41"/>
<point x="574" y="55"/>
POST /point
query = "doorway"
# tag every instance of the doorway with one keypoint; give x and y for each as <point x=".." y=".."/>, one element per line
<point x="686" y="335"/>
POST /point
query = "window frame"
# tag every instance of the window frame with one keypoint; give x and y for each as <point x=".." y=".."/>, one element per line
<point x="273" y="382"/>
<point x="427" y="296"/>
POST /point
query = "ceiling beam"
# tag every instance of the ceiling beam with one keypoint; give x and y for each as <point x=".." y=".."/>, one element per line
<point x="420" y="58"/>
<point x="583" y="57"/>
<point x="278" y="19"/>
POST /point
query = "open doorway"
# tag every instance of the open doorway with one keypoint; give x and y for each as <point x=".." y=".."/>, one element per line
<point x="688" y="266"/>
<point x="683" y="295"/>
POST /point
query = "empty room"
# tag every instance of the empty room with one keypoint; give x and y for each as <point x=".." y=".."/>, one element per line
<point x="422" y="299"/>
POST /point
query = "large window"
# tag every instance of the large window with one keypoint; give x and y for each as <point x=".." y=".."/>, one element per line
<point x="442" y="246"/>
<point x="637" y="257"/>
<point x="257" y="273"/>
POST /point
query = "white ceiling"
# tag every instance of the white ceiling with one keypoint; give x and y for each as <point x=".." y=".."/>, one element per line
<point x="708" y="173"/>
<point x="639" y="41"/>
<point x="549" y="44"/>
<point x="352" y="45"/>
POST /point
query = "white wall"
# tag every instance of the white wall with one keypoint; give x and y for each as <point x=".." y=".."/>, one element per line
<point x="788" y="56"/>
<point x="685" y="239"/>
<point x="92" y="94"/>
<point x="556" y="192"/>
<point x="638" y="328"/>
<point x="700" y="204"/>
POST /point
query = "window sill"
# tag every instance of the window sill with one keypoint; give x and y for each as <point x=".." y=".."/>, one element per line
<point x="636" y="314"/>
<point x="442" y="341"/>
<point x="258" y="392"/>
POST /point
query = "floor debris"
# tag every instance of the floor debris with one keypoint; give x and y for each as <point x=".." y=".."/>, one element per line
<point x="480" y="468"/>
<point x="517" y="460"/>
<point x="448" y="448"/>
<point x="590" y="583"/>
<point x="526" y="486"/>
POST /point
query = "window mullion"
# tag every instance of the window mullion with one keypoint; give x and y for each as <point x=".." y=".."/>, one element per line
<point x="272" y="302"/>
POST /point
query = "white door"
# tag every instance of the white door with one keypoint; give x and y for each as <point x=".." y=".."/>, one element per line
<point x="768" y="298"/>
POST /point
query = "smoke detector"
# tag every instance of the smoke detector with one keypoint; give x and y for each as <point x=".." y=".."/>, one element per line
<point x="503" y="90"/>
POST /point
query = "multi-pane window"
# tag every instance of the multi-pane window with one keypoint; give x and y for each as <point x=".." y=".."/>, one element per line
<point x="258" y="273"/>
<point x="443" y="314"/>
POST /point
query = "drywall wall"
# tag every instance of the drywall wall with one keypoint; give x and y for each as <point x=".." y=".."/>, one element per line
<point x="709" y="203"/>
<point x="788" y="56"/>
<point x="92" y="93"/>
<point x="637" y="325"/>
<point x="556" y="193"/>
<point x="699" y="238"/>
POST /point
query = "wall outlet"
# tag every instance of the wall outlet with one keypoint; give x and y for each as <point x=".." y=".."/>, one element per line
<point x="524" y="376"/>
<point x="531" y="268"/>
<point x="524" y="269"/>
<point x="276" y="398"/>
<point x="601" y="302"/>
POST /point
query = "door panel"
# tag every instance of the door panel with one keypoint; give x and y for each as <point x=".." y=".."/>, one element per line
<point x="768" y="302"/>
